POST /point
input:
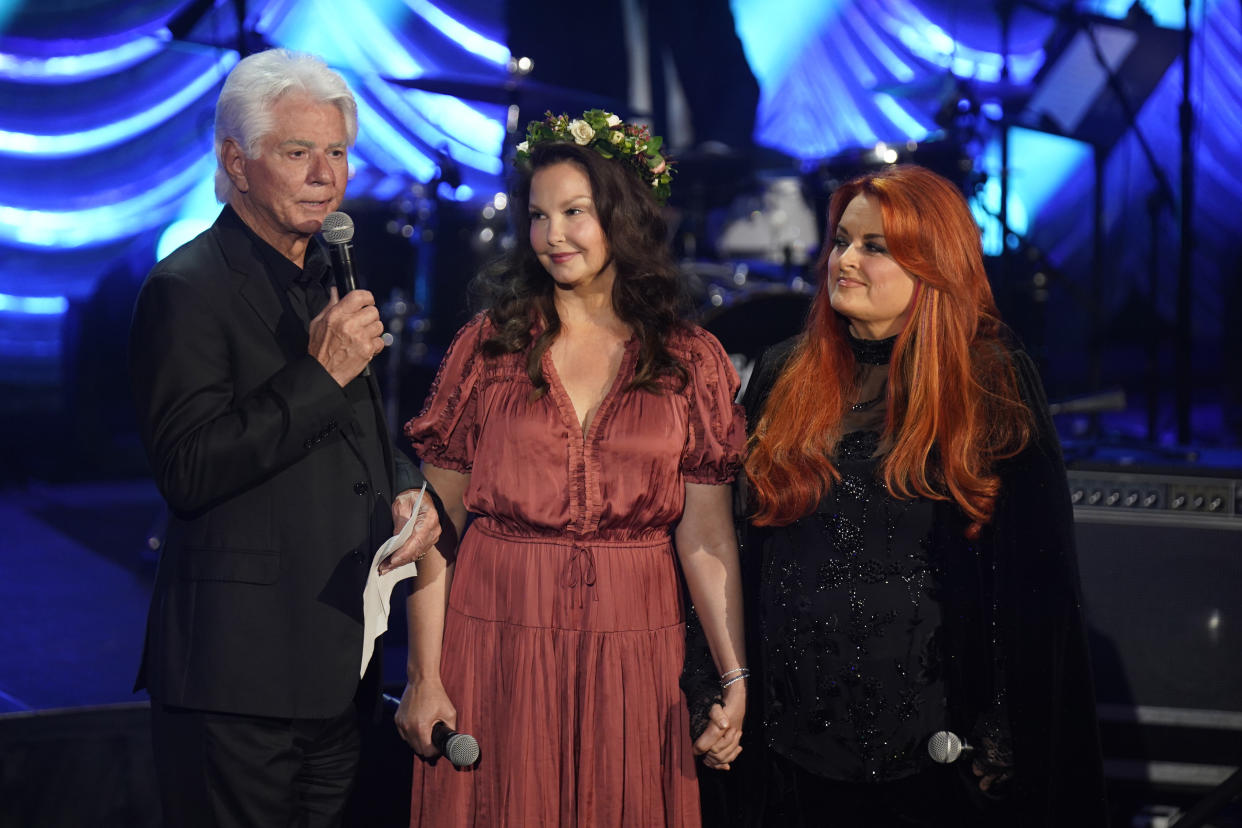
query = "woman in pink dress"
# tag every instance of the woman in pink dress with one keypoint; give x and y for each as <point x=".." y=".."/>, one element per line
<point x="590" y="435"/>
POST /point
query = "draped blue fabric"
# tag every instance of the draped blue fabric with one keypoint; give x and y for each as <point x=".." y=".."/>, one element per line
<point x="105" y="139"/>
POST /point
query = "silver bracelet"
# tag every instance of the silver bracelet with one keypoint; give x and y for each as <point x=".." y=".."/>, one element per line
<point x="735" y="680"/>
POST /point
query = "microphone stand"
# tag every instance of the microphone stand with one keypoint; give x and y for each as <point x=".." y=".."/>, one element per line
<point x="409" y="316"/>
<point x="1163" y="188"/>
<point x="1211" y="805"/>
<point x="1006" y="20"/>
<point x="1155" y="206"/>
<point x="1184" y="293"/>
<point x="1164" y="192"/>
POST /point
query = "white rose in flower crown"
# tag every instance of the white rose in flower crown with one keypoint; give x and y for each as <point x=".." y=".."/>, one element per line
<point x="613" y="120"/>
<point x="524" y="146"/>
<point x="581" y="131"/>
<point x="617" y="137"/>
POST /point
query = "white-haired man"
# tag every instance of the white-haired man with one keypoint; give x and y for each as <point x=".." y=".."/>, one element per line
<point x="270" y="447"/>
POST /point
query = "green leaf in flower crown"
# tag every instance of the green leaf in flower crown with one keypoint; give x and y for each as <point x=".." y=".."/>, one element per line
<point x="626" y="149"/>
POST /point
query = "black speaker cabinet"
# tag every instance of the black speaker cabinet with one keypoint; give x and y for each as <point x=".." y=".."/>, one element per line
<point x="1161" y="563"/>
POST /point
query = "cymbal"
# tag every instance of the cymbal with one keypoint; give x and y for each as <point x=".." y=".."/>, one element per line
<point x="511" y="90"/>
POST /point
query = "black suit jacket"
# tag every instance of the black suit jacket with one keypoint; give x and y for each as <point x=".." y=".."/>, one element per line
<point x="273" y="518"/>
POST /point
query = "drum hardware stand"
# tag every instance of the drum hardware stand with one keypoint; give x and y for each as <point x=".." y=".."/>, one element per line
<point x="1100" y="132"/>
<point x="408" y="316"/>
<point x="1164" y="192"/>
<point x="1184" y="293"/>
<point x="1156" y="203"/>
<point x="401" y="315"/>
<point x="1045" y="274"/>
<point x="1214" y="802"/>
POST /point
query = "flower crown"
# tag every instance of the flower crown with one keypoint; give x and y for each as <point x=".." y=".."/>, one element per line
<point x="611" y="137"/>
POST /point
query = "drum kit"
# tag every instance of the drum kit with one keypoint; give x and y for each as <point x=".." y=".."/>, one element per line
<point x="747" y="240"/>
<point x="749" y="310"/>
<point x="757" y="290"/>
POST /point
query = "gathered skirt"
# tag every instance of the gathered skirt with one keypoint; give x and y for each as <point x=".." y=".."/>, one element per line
<point x="562" y="656"/>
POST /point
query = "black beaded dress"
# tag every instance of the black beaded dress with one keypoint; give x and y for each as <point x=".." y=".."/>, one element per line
<point x="874" y="621"/>
<point x="849" y="617"/>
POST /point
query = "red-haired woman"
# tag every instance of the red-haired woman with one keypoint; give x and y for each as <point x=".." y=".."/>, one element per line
<point x="908" y="500"/>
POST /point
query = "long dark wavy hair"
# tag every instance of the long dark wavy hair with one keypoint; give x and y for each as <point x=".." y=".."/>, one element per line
<point x="647" y="294"/>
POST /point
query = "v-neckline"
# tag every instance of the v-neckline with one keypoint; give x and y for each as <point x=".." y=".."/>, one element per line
<point x="566" y="404"/>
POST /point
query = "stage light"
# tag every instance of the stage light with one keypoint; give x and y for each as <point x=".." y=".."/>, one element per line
<point x="369" y="42"/>
<point x="463" y="192"/>
<point x="104" y="222"/>
<point x="925" y="39"/>
<point x="117" y="132"/>
<point x="178" y="233"/>
<point x="884" y="153"/>
<point x="905" y="123"/>
<point x="375" y="129"/>
<point x="1168" y="13"/>
<point x="873" y="43"/>
<point x="461" y="34"/>
<point x="79" y="67"/>
<point x="34" y="305"/>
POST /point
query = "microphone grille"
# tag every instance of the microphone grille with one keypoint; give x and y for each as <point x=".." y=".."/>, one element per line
<point x="338" y="228"/>
<point x="462" y="750"/>
<point x="944" y="746"/>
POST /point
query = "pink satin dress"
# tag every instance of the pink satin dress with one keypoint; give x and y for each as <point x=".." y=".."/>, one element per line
<point x="564" y="636"/>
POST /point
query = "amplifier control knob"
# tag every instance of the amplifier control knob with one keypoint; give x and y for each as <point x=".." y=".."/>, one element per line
<point x="1179" y="501"/>
<point x="1132" y="499"/>
<point x="1215" y="504"/>
<point x="1114" y="497"/>
<point x="1197" y="502"/>
<point x="1150" y="500"/>
<point x="1094" y="498"/>
<point x="1076" y="496"/>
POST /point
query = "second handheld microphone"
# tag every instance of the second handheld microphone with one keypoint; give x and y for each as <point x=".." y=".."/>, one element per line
<point x="459" y="748"/>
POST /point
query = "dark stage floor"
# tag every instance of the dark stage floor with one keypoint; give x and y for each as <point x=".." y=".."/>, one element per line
<point x="74" y="585"/>
<point x="75" y="578"/>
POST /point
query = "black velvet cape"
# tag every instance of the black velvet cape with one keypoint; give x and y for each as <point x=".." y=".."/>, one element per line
<point x="1017" y="585"/>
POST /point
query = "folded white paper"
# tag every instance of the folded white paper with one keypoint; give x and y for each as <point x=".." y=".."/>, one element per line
<point x="377" y="594"/>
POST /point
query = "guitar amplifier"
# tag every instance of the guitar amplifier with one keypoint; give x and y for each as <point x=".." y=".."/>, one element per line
<point x="1133" y="492"/>
<point x="1160" y="557"/>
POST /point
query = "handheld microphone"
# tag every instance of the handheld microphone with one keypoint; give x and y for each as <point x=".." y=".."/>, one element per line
<point x="338" y="232"/>
<point x="459" y="748"/>
<point x="945" y="747"/>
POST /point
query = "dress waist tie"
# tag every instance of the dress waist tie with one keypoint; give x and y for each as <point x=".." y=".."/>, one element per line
<point x="579" y="572"/>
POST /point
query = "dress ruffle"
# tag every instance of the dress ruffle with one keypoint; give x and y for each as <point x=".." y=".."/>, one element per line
<point x="564" y="637"/>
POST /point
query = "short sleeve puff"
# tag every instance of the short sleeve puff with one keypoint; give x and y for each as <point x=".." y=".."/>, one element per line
<point x="717" y="424"/>
<point x="444" y="434"/>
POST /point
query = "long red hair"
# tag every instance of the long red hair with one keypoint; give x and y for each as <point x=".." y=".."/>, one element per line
<point x="953" y="402"/>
